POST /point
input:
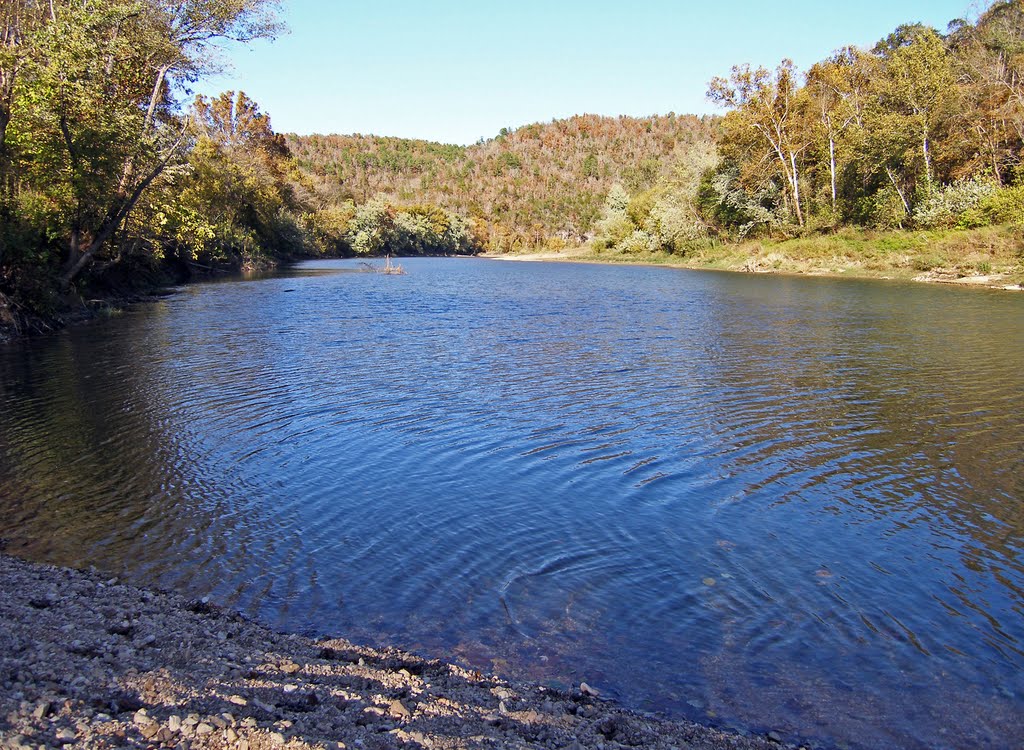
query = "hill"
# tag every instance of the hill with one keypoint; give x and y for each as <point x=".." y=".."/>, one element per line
<point x="530" y="187"/>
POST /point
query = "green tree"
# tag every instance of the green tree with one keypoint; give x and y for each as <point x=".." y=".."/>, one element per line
<point x="917" y="85"/>
<point x="838" y="88"/>
<point x="771" y="106"/>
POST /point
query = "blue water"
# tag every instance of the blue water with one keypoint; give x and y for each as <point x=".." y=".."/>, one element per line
<point x="760" y="502"/>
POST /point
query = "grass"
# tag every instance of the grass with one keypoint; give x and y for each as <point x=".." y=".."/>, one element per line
<point x="996" y="252"/>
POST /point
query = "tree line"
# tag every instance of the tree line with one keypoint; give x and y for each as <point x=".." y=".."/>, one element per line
<point x="111" y="171"/>
<point x="537" y="186"/>
<point x="924" y="130"/>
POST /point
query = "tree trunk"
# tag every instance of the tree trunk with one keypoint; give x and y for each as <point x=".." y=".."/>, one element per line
<point x="927" y="156"/>
<point x="796" y="189"/>
<point x="155" y="96"/>
<point x="832" y="167"/>
<point x="5" y="119"/>
<point x="789" y="170"/>
<point x="903" y="199"/>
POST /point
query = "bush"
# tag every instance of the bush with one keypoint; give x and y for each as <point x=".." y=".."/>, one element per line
<point x="957" y="205"/>
<point x="639" y="242"/>
<point x="1005" y="206"/>
<point x="883" y="210"/>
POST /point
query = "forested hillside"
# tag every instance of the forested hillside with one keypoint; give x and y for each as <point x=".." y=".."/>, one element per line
<point x="111" y="171"/>
<point x="538" y="185"/>
<point x="922" y="131"/>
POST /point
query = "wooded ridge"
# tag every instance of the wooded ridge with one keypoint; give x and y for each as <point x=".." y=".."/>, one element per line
<point x="112" y="174"/>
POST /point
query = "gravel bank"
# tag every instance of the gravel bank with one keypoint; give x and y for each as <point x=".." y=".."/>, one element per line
<point x="87" y="661"/>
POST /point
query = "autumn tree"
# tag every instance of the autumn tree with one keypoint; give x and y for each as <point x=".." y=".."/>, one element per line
<point x="771" y="106"/>
<point x="917" y="84"/>
<point x="838" y="89"/>
<point x="989" y="59"/>
<point x="234" y="203"/>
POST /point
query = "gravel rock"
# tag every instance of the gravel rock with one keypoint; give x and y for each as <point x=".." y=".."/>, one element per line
<point x="399" y="710"/>
<point x="63" y="664"/>
<point x="65" y="736"/>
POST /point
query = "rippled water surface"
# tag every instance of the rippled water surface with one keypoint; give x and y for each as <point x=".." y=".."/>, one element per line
<point x="762" y="502"/>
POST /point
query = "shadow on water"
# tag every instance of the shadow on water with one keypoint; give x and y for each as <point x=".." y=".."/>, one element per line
<point x="777" y="503"/>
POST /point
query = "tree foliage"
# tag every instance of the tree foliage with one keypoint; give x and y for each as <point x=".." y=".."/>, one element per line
<point x="922" y="130"/>
<point x="530" y="187"/>
<point x="98" y="154"/>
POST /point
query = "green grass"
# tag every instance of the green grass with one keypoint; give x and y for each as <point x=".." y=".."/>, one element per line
<point x="996" y="251"/>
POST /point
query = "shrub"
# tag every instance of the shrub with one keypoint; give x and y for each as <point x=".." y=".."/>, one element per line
<point x="1005" y="206"/>
<point x="638" y="242"/>
<point x="882" y="210"/>
<point x="957" y="205"/>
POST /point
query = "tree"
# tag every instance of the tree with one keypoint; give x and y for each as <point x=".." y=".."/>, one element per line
<point x="990" y="62"/>
<point x="838" y="88"/>
<point x="97" y="124"/>
<point x="19" y="21"/>
<point x="234" y="204"/>
<point x="772" y="106"/>
<point x="918" y="83"/>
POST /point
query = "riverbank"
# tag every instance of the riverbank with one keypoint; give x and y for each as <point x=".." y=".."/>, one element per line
<point x="88" y="661"/>
<point x="47" y="312"/>
<point x="988" y="257"/>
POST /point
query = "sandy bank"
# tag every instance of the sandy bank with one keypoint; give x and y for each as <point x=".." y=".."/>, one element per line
<point x="780" y="266"/>
<point x="87" y="661"/>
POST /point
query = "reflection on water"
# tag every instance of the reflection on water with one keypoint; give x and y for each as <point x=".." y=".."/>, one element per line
<point x="764" y="502"/>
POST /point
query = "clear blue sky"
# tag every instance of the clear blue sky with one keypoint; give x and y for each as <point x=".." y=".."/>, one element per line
<point x="456" y="71"/>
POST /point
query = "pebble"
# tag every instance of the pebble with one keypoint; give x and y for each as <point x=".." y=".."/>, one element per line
<point x="399" y="710"/>
<point x="66" y="735"/>
<point x="462" y="708"/>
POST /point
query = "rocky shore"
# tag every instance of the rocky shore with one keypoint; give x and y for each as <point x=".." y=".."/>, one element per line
<point x="88" y="661"/>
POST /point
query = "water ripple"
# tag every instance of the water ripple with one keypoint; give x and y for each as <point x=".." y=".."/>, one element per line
<point x="796" y="502"/>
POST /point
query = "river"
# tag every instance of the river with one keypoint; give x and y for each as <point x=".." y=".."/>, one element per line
<point x="760" y="502"/>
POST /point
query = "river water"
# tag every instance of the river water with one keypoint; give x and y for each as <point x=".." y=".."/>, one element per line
<point x="760" y="502"/>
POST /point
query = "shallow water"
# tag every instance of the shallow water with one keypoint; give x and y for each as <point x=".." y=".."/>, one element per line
<point x="761" y="502"/>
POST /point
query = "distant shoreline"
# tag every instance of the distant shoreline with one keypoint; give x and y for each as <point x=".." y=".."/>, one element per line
<point x="992" y="258"/>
